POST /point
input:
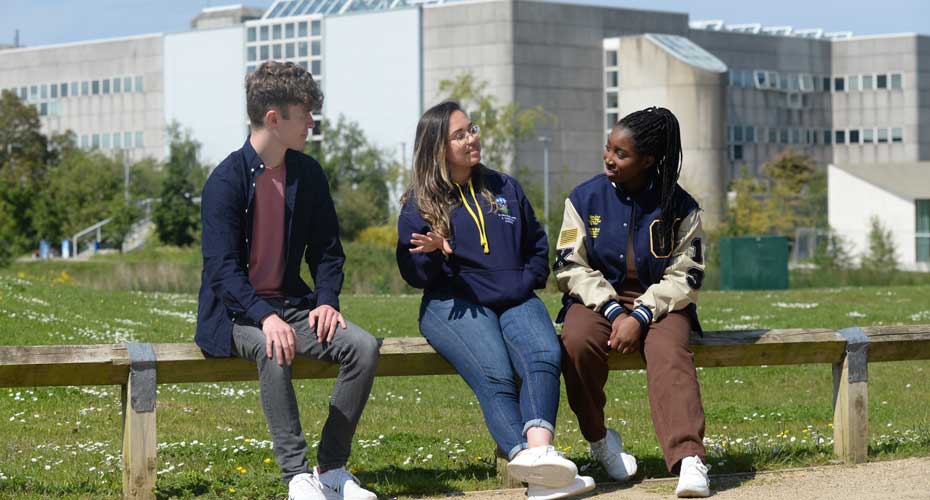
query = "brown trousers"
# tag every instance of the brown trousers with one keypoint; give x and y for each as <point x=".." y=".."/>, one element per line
<point x="674" y="394"/>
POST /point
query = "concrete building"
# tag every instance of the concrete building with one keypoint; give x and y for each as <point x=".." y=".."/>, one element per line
<point x="743" y="93"/>
<point x="897" y="194"/>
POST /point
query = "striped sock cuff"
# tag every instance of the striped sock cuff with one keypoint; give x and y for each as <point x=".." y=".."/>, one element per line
<point x="611" y="310"/>
<point x="644" y="315"/>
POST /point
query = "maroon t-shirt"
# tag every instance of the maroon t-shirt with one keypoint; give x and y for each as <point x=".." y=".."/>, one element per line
<point x="266" y="262"/>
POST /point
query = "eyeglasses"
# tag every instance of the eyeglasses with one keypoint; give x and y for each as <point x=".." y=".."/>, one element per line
<point x="462" y="135"/>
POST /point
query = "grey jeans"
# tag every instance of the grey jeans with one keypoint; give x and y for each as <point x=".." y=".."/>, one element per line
<point x="354" y="349"/>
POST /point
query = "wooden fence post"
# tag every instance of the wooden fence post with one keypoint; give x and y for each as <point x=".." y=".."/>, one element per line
<point x="851" y="399"/>
<point x="139" y="439"/>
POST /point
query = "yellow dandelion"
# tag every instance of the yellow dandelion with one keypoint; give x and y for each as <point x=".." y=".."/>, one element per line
<point x="247" y="440"/>
<point x="232" y="490"/>
<point x="267" y="460"/>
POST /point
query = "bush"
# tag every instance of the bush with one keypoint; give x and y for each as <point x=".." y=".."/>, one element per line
<point x="383" y="236"/>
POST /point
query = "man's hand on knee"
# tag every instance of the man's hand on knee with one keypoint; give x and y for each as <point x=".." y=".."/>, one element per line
<point x="324" y="320"/>
<point x="279" y="339"/>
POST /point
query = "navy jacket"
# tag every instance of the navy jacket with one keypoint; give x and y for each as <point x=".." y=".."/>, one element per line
<point x="518" y="259"/>
<point x="591" y="265"/>
<point x="311" y="232"/>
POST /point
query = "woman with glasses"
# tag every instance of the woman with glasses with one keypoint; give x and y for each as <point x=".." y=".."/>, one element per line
<point x="468" y="237"/>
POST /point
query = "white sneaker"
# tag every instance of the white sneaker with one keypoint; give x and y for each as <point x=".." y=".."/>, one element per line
<point x="340" y="484"/>
<point x="305" y="487"/>
<point x="620" y="465"/>
<point x="543" y="466"/>
<point x="579" y="485"/>
<point x="692" y="479"/>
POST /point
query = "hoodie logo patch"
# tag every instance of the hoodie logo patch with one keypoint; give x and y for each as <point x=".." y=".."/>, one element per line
<point x="503" y="211"/>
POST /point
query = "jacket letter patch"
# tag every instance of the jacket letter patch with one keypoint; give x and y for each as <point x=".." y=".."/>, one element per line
<point x="697" y="251"/>
<point x="695" y="278"/>
<point x="560" y="258"/>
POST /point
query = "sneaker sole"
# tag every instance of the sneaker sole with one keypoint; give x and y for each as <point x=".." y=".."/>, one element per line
<point x="692" y="493"/>
<point x="564" y="494"/>
<point x="548" y="475"/>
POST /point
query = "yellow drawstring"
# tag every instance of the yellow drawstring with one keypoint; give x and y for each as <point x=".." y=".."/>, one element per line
<point x="479" y="219"/>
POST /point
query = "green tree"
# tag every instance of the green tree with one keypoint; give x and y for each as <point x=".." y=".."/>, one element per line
<point x="832" y="253"/>
<point x="790" y="193"/>
<point x="122" y="216"/>
<point x="23" y="161"/>
<point x="176" y="217"/>
<point x="359" y="174"/>
<point x="10" y="243"/>
<point x="502" y="125"/>
<point x="881" y="257"/>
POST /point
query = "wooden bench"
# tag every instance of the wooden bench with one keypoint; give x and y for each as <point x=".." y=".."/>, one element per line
<point x="137" y="368"/>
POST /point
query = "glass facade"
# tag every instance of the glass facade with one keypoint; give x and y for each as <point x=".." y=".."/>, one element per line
<point x="923" y="230"/>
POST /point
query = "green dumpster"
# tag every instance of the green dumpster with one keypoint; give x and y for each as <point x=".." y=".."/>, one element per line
<point x="754" y="263"/>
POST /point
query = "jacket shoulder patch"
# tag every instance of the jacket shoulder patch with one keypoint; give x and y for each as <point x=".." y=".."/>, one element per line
<point x="568" y="236"/>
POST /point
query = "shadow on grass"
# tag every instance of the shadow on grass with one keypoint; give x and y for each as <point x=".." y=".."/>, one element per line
<point x="394" y="481"/>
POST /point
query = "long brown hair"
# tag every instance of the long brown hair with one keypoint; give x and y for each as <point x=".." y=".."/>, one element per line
<point x="431" y="184"/>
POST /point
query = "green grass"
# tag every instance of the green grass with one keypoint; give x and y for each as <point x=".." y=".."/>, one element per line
<point x="419" y="435"/>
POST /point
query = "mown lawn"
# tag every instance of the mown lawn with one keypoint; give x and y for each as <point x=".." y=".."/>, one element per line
<point x="420" y="435"/>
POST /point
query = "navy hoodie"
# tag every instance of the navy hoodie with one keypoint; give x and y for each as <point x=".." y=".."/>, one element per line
<point x="516" y="264"/>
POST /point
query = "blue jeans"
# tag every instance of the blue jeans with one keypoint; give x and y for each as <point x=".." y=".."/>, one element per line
<point x="491" y="350"/>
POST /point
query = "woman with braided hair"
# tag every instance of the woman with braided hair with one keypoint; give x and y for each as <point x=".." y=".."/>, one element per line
<point x="629" y="261"/>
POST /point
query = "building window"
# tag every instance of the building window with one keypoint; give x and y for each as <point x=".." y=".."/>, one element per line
<point x="251" y="36"/>
<point x="302" y="29"/>
<point x="897" y="81"/>
<point x="315" y="48"/>
<point x="64" y="90"/>
<point x="289" y="30"/>
<point x="127" y="140"/>
<point x="117" y="140"/>
<point x="839" y="84"/>
<point x="826" y="84"/>
<point x="922" y="232"/>
<point x="85" y="141"/>
<point x="276" y="32"/>
<point x="827" y="135"/>
<point x="612" y="100"/>
<point x="303" y="64"/>
<point x="301" y="49"/>
<point x="897" y="134"/>
<point x="613" y="79"/>
<point x="95" y="87"/>
<point x="853" y="81"/>
<point x="737" y="134"/>
<point x="250" y="68"/>
<point x="263" y="33"/>
<point x="854" y="136"/>
<point x="106" y="86"/>
<point x="95" y="141"/>
<point x="738" y="152"/>
<point x="773" y="136"/>
<point x="276" y="51"/>
<point x="263" y="50"/>
<point x="868" y="82"/>
<point x="139" y="142"/>
<point x="783" y="136"/>
<point x="139" y="83"/>
<point x="43" y="109"/>
<point x="74" y="89"/>
<point x="611" y="58"/>
<point x="53" y="91"/>
<point x="289" y="50"/>
<point x="316" y="67"/>
<point x="881" y="81"/>
<point x="117" y="85"/>
<point x="105" y="142"/>
<point x="127" y="84"/>
<point x="883" y="134"/>
<point x="612" y="119"/>
<point x="315" y="28"/>
<point x="252" y="54"/>
<point x="868" y="136"/>
<point x="841" y="137"/>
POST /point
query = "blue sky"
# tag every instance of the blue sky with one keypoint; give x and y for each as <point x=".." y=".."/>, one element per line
<point x="44" y="22"/>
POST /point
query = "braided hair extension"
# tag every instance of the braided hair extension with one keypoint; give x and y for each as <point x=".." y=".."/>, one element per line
<point x="656" y="133"/>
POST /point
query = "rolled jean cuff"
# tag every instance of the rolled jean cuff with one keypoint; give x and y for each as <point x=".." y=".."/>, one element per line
<point x="516" y="449"/>
<point x="538" y="422"/>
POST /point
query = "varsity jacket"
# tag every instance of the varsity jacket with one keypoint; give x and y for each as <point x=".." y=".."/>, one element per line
<point x="590" y="263"/>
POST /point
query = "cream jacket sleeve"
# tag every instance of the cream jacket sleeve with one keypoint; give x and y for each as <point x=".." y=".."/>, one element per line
<point x="682" y="278"/>
<point x="572" y="272"/>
